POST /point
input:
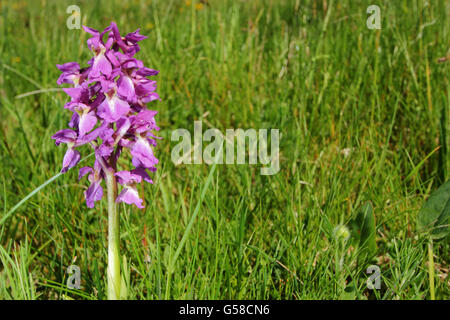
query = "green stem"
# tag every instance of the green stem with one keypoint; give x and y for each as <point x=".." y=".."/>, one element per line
<point x="431" y="268"/>
<point x="114" y="279"/>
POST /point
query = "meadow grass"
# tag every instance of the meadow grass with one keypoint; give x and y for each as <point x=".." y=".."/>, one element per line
<point x="362" y="115"/>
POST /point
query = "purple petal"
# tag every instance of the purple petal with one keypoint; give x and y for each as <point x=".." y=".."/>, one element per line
<point x="95" y="45"/>
<point x="142" y="173"/>
<point x="73" y="123"/>
<point x="152" y="96"/>
<point x="66" y="78"/>
<point x="135" y="36"/>
<point x="127" y="177"/>
<point x="78" y="106"/>
<point x="144" y="121"/>
<point x="87" y="137"/>
<point x="118" y="37"/>
<point x="101" y="65"/>
<point x="77" y="93"/>
<point x="91" y="31"/>
<point x="123" y="124"/>
<point x="107" y="135"/>
<point x="113" y="109"/>
<point x="104" y="150"/>
<point x="131" y="64"/>
<point x="126" y="143"/>
<point x="145" y="87"/>
<point x="93" y="193"/>
<point x="84" y="171"/>
<point x="107" y="85"/>
<point x="112" y="58"/>
<point x="69" y="67"/>
<point x="145" y="72"/>
<point x="104" y="65"/>
<point x="125" y="88"/>
<point x="70" y="160"/>
<point x="131" y="51"/>
<point x="130" y="195"/>
<point x="64" y="136"/>
<point x="143" y="154"/>
<point x="145" y="117"/>
<point x="108" y="28"/>
<point x="87" y="123"/>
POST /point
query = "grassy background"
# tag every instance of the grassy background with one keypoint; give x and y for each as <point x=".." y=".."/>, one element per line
<point x="361" y="113"/>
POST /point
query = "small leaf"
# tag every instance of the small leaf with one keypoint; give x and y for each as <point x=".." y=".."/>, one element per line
<point x="434" y="217"/>
<point x="349" y="293"/>
<point x="125" y="279"/>
<point x="364" y="224"/>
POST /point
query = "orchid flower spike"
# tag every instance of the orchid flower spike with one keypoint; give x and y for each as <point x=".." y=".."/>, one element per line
<point x="108" y="104"/>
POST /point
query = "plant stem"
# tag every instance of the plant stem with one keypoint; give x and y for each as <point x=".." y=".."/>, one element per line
<point x="114" y="279"/>
<point x="431" y="268"/>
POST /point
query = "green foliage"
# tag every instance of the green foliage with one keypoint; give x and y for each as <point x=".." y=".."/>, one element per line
<point x="16" y="279"/>
<point x="359" y="114"/>
<point x="364" y="230"/>
<point x="434" y="216"/>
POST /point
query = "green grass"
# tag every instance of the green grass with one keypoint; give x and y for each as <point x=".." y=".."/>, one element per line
<point x="309" y="68"/>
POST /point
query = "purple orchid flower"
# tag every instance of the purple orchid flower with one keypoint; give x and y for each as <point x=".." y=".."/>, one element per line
<point x="72" y="156"/>
<point x="108" y="104"/>
<point x="95" y="190"/>
<point x="129" y="180"/>
<point x="70" y="73"/>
